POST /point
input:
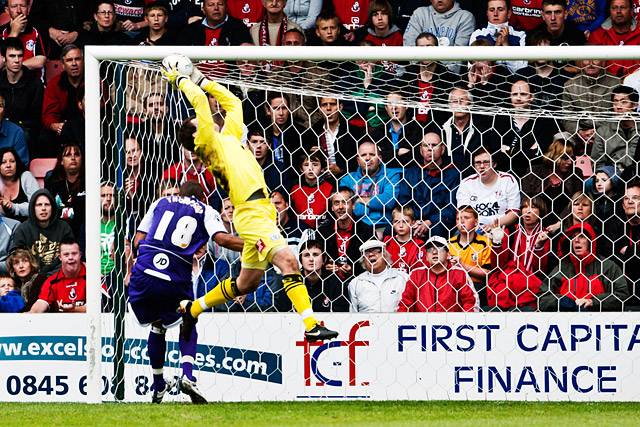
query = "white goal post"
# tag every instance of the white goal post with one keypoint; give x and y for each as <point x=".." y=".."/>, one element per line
<point x="95" y="54"/>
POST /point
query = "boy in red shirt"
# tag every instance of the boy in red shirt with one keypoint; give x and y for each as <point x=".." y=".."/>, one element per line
<point x="405" y="250"/>
<point x="309" y="198"/>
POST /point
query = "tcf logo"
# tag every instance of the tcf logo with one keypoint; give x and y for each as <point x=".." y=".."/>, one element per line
<point x="311" y="359"/>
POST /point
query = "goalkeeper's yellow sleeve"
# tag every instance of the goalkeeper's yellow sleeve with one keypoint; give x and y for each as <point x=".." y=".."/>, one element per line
<point x="231" y="104"/>
<point x="206" y="136"/>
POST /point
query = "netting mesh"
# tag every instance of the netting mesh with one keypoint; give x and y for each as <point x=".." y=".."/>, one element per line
<point x="523" y="175"/>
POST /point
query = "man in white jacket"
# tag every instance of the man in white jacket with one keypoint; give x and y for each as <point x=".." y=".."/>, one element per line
<point x="444" y="19"/>
<point x="380" y="287"/>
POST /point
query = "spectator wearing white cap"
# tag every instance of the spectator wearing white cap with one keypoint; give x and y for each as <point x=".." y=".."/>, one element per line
<point x="439" y="286"/>
<point x="379" y="288"/>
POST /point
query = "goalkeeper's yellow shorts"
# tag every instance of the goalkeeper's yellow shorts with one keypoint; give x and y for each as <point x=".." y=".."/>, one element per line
<point x="256" y="222"/>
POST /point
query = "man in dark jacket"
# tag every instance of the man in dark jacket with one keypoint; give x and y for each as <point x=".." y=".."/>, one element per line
<point x="105" y="30"/>
<point x="274" y="170"/>
<point x="431" y="188"/>
<point x="342" y="236"/>
<point x="627" y="243"/>
<point x="281" y="135"/>
<point x="61" y="20"/>
<point x="216" y="29"/>
<point x="332" y="137"/>
<point x="22" y="90"/>
<point x="42" y="232"/>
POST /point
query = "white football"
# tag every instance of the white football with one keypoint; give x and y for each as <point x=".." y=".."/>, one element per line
<point x="180" y="62"/>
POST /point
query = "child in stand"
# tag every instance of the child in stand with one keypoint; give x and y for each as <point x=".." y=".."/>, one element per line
<point x="380" y="29"/>
<point x="405" y="250"/>
<point x="10" y="299"/>
<point x="309" y="198"/>
<point x="471" y="250"/>
<point x="522" y="260"/>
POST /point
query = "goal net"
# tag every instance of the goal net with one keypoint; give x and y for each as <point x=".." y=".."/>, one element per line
<point x="528" y="177"/>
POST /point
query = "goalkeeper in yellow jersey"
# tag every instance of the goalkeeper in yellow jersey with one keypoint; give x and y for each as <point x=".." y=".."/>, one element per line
<point x="254" y="218"/>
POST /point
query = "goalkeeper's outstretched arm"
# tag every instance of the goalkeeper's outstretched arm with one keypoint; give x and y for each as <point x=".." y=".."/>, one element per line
<point x="206" y="127"/>
<point x="231" y="104"/>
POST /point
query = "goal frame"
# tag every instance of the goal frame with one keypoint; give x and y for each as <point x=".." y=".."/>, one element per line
<point x="94" y="54"/>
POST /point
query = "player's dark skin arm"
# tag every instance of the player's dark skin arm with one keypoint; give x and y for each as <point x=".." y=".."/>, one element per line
<point x="229" y="241"/>
<point x="136" y="241"/>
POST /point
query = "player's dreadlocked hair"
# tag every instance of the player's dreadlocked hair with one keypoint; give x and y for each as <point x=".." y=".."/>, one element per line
<point x="185" y="134"/>
<point x="192" y="189"/>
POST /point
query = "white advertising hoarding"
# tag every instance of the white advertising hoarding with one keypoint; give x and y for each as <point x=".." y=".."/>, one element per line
<point x="246" y="357"/>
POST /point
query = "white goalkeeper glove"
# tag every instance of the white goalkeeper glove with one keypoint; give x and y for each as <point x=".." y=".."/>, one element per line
<point x="198" y="78"/>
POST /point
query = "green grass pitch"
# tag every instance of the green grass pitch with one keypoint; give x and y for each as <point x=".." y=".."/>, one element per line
<point x="322" y="413"/>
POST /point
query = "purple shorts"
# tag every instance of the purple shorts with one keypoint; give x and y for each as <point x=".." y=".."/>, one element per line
<point x="153" y="299"/>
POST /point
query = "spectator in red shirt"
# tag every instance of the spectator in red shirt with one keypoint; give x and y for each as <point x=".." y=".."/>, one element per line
<point x="248" y="11"/>
<point x="65" y="290"/>
<point x="19" y="26"/>
<point x="439" y="286"/>
<point x="526" y="15"/>
<point x="217" y="28"/>
<point x="522" y="260"/>
<point x="191" y="168"/>
<point x="405" y="250"/>
<point x="380" y="29"/>
<point x="310" y="197"/>
<point x="352" y="13"/>
<point x="61" y="97"/>
<point x="619" y="29"/>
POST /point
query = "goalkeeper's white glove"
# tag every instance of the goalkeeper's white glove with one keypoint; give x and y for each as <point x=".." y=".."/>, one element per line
<point x="198" y="78"/>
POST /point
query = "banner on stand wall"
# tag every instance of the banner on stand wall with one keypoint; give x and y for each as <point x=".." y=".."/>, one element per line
<point x="251" y="357"/>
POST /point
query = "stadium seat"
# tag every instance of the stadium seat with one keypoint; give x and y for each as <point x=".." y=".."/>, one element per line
<point x="40" y="167"/>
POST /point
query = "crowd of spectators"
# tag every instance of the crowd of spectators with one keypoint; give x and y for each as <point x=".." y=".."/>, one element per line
<point x="431" y="186"/>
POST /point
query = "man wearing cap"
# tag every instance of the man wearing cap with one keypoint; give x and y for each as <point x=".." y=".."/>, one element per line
<point x="439" y="286"/>
<point x="616" y="139"/>
<point x="379" y="288"/>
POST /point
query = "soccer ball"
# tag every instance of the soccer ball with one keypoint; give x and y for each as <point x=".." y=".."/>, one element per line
<point x="180" y="62"/>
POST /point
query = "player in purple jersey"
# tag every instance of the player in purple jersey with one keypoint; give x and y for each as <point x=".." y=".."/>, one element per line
<point x="171" y="232"/>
